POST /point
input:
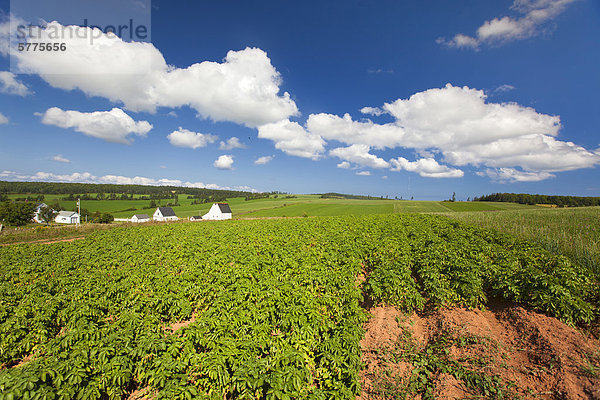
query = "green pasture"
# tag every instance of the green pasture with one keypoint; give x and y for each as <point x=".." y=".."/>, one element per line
<point x="299" y="205"/>
<point x="332" y="207"/>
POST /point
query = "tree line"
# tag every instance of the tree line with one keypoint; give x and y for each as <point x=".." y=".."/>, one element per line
<point x="350" y="196"/>
<point x="119" y="196"/>
<point x="531" y="199"/>
<point x="77" y="188"/>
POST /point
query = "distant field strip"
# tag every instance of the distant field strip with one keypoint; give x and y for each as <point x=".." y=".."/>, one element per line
<point x="325" y="209"/>
<point x="335" y="207"/>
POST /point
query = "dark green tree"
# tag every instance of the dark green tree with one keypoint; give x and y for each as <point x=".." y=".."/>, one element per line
<point x="47" y="214"/>
<point x="17" y="214"/>
<point x="102" y="218"/>
<point x="106" y="218"/>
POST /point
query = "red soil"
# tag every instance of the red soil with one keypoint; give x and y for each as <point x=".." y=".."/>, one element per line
<point x="45" y="241"/>
<point x="543" y="357"/>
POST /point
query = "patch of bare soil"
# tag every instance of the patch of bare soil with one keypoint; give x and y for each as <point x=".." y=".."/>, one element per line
<point x="174" y="327"/>
<point x="16" y="364"/>
<point x="44" y="241"/>
<point x="458" y="353"/>
<point x="142" y="394"/>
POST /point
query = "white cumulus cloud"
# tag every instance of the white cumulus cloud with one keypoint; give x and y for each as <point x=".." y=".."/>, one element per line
<point x="243" y="88"/>
<point x="359" y="154"/>
<point x="534" y="17"/>
<point x="9" y="84"/>
<point x="344" y="165"/>
<point x="513" y="175"/>
<point x="61" y="158"/>
<point x="459" y="125"/>
<point x="86" y="177"/>
<point x="3" y="119"/>
<point x="376" y="111"/>
<point x="345" y="130"/>
<point x="426" y="167"/>
<point x="224" y="162"/>
<point x="186" y="138"/>
<point x="113" y="126"/>
<point x="231" y="143"/>
<point x="293" y="139"/>
<point x="504" y="88"/>
<point x="363" y="173"/>
<point x="263" y="160"/>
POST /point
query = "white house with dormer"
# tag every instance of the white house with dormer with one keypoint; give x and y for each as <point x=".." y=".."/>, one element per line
<point x="36" y="216"/>
<point x="218" y="211"/>
<point x="164" y="214"/>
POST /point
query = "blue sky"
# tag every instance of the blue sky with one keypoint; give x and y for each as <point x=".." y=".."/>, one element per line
<point x="469" y="97"/>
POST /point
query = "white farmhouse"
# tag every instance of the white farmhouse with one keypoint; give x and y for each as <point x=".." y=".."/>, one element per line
<point x="164" y="214"/>
<point x="140" y="218"/>
<point x="36" y="217"/>
<point x="218" y="211"/>
<point x="67" y="217"/>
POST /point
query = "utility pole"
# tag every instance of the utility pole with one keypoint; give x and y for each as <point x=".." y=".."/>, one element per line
<point x="78" y="212"/>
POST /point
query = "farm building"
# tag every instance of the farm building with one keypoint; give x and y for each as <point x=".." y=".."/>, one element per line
<point x="140" y="218"/>
<point x="218" y="211"/>
<point x="196" y="218"/>
<point x="67" y="217"/>
<point x="164" y="214"/>
<point x="36" y="216"/>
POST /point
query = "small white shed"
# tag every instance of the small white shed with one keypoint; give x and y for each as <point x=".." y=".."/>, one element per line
<point x="218" y="211"/>
<point x="67" y="217"/>
<point x="196" y="218"/>
<point x="140" y="218"/>
<point x="36" y="216"/>
<point x="164" y="214"/>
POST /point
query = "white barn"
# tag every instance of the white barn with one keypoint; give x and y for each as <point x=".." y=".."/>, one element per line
<point x="36" y="217"/>
<point x="67" y="217"/>
<point x="140" y="218"/>
<point x="218" y="211"/>
<point x="164" y="214"/>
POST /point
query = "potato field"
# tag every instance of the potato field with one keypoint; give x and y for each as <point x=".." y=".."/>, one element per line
<point x="255" y="309"/>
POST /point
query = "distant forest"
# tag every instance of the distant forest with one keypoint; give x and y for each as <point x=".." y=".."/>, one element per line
<point x="523" y="198"/>
<point x="77" y="188"/>
<point x="349" y="196"/>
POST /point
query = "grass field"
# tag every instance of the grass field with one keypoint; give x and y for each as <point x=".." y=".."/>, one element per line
<point x="574" y="232"/>
<point x="311" y="205"/>
<point x="333" y="207"/>
<point x="328" y="207"/>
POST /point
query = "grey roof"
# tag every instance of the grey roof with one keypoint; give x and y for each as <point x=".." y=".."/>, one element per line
<point x="167" y="212"/>
<point x="196" y="217"/>
<point x="224" y="207"/>
<point x="142" y="216"/>
<point x="66" y="213"/>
